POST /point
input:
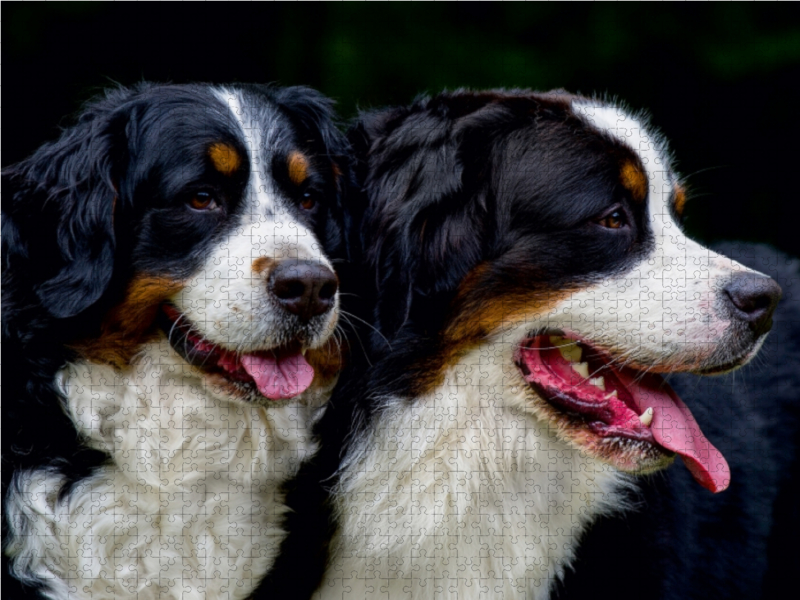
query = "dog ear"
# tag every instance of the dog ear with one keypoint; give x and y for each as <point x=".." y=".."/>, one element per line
<point x="422" y="228"/>
<point x="58" y="218"/>
<point x="375" y="239"/>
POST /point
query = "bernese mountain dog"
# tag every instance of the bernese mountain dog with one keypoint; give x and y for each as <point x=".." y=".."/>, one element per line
<point x="169" y="335"/>
<point x="530" y="285"/>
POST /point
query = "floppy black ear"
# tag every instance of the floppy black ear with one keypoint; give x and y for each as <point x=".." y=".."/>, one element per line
<point x="58" y="218"/>
<point x="421" y="229"/>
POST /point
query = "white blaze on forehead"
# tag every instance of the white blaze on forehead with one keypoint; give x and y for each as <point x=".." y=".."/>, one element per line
<point x="227" y="298"/>
<point x="261" y="132"/>
<point x="267" y="211"/>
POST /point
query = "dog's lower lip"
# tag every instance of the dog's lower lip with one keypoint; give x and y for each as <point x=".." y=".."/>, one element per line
<point x="724" y="368"/>
<point x="606" y="401"/>
<point x="588" y="389"/>
<point x="276" y="373"/>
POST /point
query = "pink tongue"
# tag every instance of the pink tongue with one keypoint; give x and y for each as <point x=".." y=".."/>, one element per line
<point x="278" y="378"/>
<point x="675" y="429"/>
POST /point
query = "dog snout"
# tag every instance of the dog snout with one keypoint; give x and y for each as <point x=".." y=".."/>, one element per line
<point x="753" y="298"/>
<point x="303" y="287"/>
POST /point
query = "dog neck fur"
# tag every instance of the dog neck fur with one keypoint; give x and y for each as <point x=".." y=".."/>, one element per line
<point x="189" y="504"/>
<point x="463" y="493"/>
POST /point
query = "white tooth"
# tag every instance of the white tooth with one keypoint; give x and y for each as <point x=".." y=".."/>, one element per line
<point x="598" y="382"/>
<point x="647" y="417"/>
<point x="612" y="395"/>
<point x="303" y="351"/>
<point x="581" y="369"/>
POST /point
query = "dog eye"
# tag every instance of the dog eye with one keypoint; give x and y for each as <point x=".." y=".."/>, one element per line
<point x="203" y="201"/>
<point x="613" y="220"/>
<point x="308" y="200"/>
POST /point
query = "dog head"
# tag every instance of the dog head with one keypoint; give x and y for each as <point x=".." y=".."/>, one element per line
<point x="210" y="214"/>
<point x="549" y="226"/>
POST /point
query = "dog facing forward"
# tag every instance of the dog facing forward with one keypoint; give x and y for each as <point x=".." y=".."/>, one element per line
<point x="532" y="285"/>
<point x="169" y="305"/>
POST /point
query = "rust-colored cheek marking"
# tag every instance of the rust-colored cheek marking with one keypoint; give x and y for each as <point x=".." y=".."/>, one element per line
<point x="479" y="310"/>
<point x="224" y="157"/>
<point x="130" y="323"/>
<point x="263" y="264"/>
<point x="679" y="199"/>
<point x="634" y="179"/>
<point x="327" y="362"/>
<point x="298" y="167"/>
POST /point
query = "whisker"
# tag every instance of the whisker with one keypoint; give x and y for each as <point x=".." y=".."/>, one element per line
<point x="346" y="318"/>
<point x="351" y="315"/>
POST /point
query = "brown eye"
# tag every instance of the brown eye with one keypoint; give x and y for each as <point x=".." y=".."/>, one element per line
<point x="203" y="201"/>
<point x="614" y="220"/>
<point x="308" y="202"/>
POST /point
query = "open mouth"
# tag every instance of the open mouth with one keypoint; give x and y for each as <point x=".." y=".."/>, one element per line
<point x="277" y="373"/>
<point x="604" y="402"/>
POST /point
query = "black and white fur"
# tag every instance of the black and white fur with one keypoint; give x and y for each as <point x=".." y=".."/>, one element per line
<point x="484" y="222"/>
<point x="127" y="471"/>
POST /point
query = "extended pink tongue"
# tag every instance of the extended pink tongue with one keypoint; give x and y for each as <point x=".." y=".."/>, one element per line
<point x="284" y="377"/>
<point x="675" y="429"/>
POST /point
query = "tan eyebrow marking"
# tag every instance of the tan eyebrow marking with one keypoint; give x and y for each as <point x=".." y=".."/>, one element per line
<point x="634" y="180"/>
<point x="224" y="157"/>
<point x="679" y="199"/>
<point x="262" y="264"/>
<point x="298" y="167"/>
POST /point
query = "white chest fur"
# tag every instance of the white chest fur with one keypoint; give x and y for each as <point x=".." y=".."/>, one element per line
<point x="463" y="494"/>
<point x="189" y="506"/>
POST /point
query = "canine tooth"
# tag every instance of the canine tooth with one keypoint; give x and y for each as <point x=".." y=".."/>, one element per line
<point x="581" y="369"/>
<point x="303" y="351"/>
<point x="598" y="382"/>
<point x="647" y="416"/>
<point x="612" y="395"/>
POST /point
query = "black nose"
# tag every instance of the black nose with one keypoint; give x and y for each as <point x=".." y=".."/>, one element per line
<point x="304" y="288"/>
<point x="753" y="298"/>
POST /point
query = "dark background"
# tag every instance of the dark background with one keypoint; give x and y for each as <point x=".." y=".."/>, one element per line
<point x="722" y="81"/>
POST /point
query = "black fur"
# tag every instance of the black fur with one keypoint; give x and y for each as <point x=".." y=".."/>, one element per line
<point x="86" y="212"/>
<point x="463" y="178"/>
<point x="441" y="194"/>
<point x="446" y="184"/>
